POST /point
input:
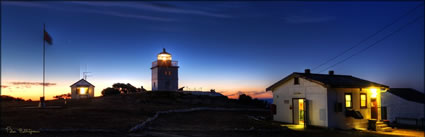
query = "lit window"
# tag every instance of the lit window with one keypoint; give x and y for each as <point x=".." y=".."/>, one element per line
<point x="363" y="100"/>
<point x="348" y="100"/>
<point x="82" y="90"/>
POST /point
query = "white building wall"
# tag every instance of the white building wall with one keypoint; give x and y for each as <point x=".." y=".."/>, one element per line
<point x="314" y="93"/>
<point x="399" y="107"/>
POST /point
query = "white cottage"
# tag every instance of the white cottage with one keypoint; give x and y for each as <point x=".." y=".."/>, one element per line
<point x="326" y="100"/>
<point x="82" y="89"/>
<point x="403" y="106"/>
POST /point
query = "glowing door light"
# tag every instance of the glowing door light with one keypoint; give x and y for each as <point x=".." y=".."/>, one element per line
<point x="301" y="112"/>
<point x="373" y="92"/>
<point x="83" y="91"/>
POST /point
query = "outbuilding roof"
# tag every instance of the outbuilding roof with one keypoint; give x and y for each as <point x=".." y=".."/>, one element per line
<point x="82" y="82"/>
<point x="408" y="94"/>
<point x="330" y="81"/>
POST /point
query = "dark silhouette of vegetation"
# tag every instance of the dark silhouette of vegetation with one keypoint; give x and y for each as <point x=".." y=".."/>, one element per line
<point x="244" y="98"/>
<point x="10" y="98"/>
<point x="127" y="88"/>
<point x="247" y="100"/>
<point x="142" y="89"/>
<point x="121" y="88"/>
<point x="110" y="91"/>
<point x="63" y="96"/>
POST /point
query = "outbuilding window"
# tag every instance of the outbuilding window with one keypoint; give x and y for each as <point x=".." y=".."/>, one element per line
<point x="348" y="100"/>
<point x="82" y="90"/>
<point x="363" y="100"/>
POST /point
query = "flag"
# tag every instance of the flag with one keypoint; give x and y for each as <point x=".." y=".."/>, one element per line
<point x="47" y="37"/>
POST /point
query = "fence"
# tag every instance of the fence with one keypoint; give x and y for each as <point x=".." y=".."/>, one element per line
<point x="165" y="63"/>
<point x="410" y="122"/>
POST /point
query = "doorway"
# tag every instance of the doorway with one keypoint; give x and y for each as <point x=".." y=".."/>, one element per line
<point x="298" y="111"/>
<point x="374" y="109"/>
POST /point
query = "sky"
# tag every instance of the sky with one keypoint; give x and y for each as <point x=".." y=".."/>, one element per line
<point x="232" y="47"/>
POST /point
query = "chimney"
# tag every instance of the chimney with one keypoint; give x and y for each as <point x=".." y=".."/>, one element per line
<point x="331" y="72"/>
<point x="307" y="71"/>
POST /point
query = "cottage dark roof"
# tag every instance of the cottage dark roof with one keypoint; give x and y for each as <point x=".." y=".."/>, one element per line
<point x="333" y="81"/>
<point x="408" y="94"/>
<point x="82" y="82"/>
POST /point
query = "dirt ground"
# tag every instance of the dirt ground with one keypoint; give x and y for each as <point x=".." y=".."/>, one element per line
<point x="119" y="113"/>
<point x="220" y="124"/>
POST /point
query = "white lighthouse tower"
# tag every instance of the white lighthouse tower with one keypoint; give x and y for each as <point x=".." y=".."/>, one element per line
<point x="164" y="73"/>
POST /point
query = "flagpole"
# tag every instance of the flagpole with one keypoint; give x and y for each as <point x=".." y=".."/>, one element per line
<point x="44" y="58"/>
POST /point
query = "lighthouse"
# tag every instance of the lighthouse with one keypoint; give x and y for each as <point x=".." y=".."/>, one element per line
<point x="164" y="73"/>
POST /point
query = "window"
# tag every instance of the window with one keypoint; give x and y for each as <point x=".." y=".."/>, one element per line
<point x="338" y="107"/>
<point x="82" y="90"/>
<point x="363" y="100"/>
<point x="348" y="100"/>
<point x="296" y="81"/>
<point x="273" y="108"/>
<point x="167" y="73"/>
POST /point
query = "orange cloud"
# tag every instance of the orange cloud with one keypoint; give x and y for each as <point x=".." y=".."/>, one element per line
<point x="253" y="94"/>
<point x="29" y="84"/>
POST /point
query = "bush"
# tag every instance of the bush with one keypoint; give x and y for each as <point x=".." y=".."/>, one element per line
<point x="125" y="88"/>
<point x="10" y="98"/>
<point x="247" y="100"/>
<point x="63" y="96"/>
<point x="110" y="91"/>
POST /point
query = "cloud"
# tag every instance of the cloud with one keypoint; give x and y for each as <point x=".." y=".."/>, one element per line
<point x="157" y="7"/>
<point x="129" y="15"/>
<point x="29" y="84"/>
<point x="249" y="93"/>
<point x="24" y="4"/>
<point x="85" y="10"/>
<point x="295" y="19"/>
<point x="4" y="86"/>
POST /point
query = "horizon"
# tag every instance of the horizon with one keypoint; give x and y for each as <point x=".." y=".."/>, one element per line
<point x="235" y="48"/>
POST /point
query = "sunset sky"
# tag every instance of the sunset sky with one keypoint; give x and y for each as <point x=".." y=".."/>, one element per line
<point x="233" y="47"/>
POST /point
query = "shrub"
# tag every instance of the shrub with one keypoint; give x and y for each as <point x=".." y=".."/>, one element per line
<point x="110" y="91"/>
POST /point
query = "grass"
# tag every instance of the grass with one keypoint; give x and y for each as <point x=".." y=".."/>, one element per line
<point x="119" y="112"/>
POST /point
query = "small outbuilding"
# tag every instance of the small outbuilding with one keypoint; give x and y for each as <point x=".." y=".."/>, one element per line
<point x="404" y="106"/>
<point x="327" y="100"/>
<point x="82" y="89"/>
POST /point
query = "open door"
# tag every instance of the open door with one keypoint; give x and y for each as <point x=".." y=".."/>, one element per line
<point x="374" y="109"/>
<point x="298" y="111"/>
